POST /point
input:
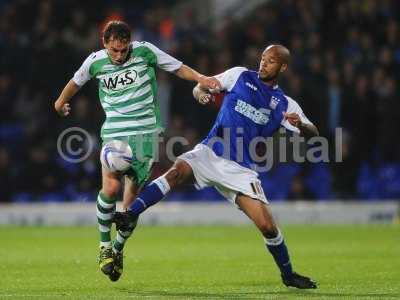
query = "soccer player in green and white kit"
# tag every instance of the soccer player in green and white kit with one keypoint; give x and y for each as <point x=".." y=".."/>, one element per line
<point x="127" y="91"/>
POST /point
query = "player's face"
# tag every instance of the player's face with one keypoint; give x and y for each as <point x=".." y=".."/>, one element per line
<point x="117" y="50"/>
<point x="270" y="65"/>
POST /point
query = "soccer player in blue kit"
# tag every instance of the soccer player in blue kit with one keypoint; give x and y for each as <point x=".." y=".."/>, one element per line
<point x="254" y="106"/>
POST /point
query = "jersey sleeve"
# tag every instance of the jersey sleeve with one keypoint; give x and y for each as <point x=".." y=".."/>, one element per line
<point x="82" y="75"/>
<point x="229" y="77"/>
<point x="164" y="60"/>
<point x="294" y="107"/>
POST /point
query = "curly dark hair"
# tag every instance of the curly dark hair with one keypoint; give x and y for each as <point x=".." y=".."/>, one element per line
<point x="117" y="30"/>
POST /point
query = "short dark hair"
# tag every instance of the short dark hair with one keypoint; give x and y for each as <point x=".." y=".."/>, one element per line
<point x="117" y="30"/>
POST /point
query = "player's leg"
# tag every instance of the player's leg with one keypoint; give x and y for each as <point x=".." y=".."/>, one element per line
<point x="180" y="173"/>
<point x="260" y="214"/>
<point x="130" y="193"/>
<point x="262" y="217"/>
<point x="106" y="200"/>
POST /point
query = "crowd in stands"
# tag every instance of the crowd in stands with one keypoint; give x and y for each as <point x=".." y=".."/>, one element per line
<point x="344" y="72"/>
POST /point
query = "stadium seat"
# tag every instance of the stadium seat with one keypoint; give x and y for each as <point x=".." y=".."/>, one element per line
<point x="53" y="197"/>
<point x="319" y="181"/>
<point x="389" y="181"/>
<point x="367" y="183"/>
<point x="276" y="183"/>
<point x="22" y="198"/>
<point x="11" y="134"/>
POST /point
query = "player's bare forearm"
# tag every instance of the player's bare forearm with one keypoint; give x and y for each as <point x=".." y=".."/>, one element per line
<point x="67" y="93"/>
<point x="61" y="104"/>
<point x="187" y="73"/>
<point x="308" y="130"/>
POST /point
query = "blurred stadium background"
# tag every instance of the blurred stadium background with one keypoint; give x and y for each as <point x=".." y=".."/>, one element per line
<point x="344" y="73"/>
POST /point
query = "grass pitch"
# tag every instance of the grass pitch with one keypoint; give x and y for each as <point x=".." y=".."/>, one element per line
<point x="200" y="262"/>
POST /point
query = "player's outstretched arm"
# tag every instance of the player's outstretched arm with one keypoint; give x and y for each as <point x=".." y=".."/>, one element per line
<point x="187" y="73"/>
<point x="61" y="105"/>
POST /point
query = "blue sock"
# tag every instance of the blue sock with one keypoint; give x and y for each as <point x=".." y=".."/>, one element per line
<point x="280" y="253"/>
<point x="150" y="195"/>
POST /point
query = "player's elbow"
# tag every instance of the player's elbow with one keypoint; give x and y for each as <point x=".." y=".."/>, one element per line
<point x="315" y="131"/>
<point x="309" y="131"/>
<point x="312" y="131"/>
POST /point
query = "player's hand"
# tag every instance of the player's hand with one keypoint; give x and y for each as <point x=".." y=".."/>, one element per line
<point x="210" y="83"/>
<point x="293" y="118"/>
<point x="64" y="110"/>
<point x="206" y="98"/>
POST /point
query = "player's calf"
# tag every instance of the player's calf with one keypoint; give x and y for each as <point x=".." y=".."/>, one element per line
<point x="105" y="207"/>
<point x="154" y="192"/>
<point x="125" y="225"/>
<point x="262" y="217"/>
<point x="150" y="195"/>
<point x="124" y="231"/>
<point x="277" y="247"/>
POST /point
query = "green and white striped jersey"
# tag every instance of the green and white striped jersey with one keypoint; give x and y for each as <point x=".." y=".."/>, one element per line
<point x="128" y="92"/>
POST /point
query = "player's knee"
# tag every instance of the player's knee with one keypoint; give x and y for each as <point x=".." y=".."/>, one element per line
<point x="268" y="229"/>
<point x="173" y="177"/>
<point x="111" y="190"/>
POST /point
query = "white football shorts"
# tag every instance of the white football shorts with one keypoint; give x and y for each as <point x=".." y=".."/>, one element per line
<point x="227" y="176"/>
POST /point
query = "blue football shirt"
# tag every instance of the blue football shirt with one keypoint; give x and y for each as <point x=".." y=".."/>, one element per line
<point x="251" y="111"/>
